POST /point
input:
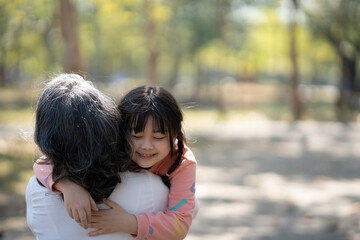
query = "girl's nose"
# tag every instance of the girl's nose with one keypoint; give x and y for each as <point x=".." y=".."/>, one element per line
<point x="146" y="144"/>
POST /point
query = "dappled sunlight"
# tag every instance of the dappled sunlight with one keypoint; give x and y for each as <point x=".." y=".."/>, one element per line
<point x="225" y="210"/>
<point x="281" y="180"/>
<point x="227" y="192"/>
<point x="18" y="226"/>
<point x="19" y="186"/>
<point x="300" y="191"/>
<point x="17" y="150"/>
<point x="256" y="179"/>
<point x="269" y="92"/>
<point x="291" y="149"/>
<point x="6" y="168"/>
<point x="269" y="202"/>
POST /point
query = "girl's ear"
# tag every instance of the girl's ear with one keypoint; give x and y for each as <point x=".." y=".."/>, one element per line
<point x="175" y="144"/>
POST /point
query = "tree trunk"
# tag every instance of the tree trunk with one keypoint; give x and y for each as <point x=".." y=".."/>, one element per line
<point x="2" y="76"/>
<point x="2" y="67"/>
<point x="96" y="65"/>
<point x="222" y="12"/>
<point x="347" y="89"/>
<point x="199" y="81"/>
<point x="72" y="59"/>
<point x="152" y="44"/>
<point x="220" y="102"/>
<point x="48" y="43"/>
<point x="297" y="104"/>
<point x="175" y="70"/>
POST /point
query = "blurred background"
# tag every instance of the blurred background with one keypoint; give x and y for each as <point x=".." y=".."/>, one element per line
<point x="270" y="91"/>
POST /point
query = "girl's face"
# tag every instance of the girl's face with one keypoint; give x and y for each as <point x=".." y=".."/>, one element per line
<point x="150" y="146"/>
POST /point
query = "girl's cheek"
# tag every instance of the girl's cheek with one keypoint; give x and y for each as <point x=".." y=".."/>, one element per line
<point x="175" y="144"/>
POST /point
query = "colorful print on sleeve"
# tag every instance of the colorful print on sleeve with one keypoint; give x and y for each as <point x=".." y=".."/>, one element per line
<point x="175" y="222"/>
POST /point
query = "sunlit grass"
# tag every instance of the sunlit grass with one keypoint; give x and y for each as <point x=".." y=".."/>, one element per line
<point x="17" y="106"/>
<point x="15" y="164"/>
<point x="6" y="168"/>
<point x="214" y="116"/>
<point x="321" y="111"/>
<point x="19" y="186"/>
<point x="18" y="97"/>
<point x="277" y="111"/>
<point x="17" y="116"/>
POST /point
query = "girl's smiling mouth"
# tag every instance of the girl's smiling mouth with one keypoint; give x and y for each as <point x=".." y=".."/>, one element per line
<point x="145" y="156"/>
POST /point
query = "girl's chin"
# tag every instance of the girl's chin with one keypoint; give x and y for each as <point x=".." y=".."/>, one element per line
<point x="145" y="164"/>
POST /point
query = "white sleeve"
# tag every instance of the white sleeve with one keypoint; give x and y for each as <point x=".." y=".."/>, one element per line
<point x="141" y="192"/>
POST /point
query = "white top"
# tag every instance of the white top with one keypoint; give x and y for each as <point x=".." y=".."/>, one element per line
<point x="48" y="219"/>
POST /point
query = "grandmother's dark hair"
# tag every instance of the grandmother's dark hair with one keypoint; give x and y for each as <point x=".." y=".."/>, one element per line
<point x="77" y="128"/>
<point x="157" y="102"/>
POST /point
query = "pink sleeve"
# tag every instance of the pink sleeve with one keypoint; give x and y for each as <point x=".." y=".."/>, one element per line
<point x="43" y="173"/>
<point x="175" y="222"/>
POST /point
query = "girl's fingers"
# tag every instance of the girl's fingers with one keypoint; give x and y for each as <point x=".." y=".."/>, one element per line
<point x="95" y="219"/>
<point x="95" y="214"/>
<point x="76" y="216"/>
<point x="96" y="233"/>
<point x="83" y="218"/>
<point x="94" y="225"/>
<point x="93" y="205"/>
<point x="70" y="213"/>
<point x="110" y="203"/>
<point x="88" y="215"/>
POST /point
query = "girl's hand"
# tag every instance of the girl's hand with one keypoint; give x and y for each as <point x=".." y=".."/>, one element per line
<point x="78" y="202"/>
<point x="115" y="219"/>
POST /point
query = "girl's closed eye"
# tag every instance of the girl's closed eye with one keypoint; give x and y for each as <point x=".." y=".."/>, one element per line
<point x="159" y="137"/>
<point x="136" y="135"/>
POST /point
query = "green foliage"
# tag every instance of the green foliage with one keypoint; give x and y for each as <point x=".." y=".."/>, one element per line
<point x="245" y="40"/>
<point x="113" y="37"/>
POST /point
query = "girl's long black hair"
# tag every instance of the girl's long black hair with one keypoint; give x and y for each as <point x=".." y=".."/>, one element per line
<point x="77" y="128"/>
<point x="157" y="102"/>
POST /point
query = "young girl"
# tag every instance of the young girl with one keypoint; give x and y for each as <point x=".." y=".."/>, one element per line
<point x="154" y="120"/>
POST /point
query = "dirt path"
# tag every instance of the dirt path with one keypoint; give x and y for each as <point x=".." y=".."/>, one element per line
<point x="273" y="180"/>
<point x="266" y="181"/>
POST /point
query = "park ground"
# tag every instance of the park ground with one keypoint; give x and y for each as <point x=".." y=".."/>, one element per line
<point x="256" y="179"/>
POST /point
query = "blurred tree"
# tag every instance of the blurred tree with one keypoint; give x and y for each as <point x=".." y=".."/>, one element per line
<point x="208" y="23"/>
<point x="297" y="104"/>
<point x="200" y="20"/>
<point x="49" y="23"/>
<point x="152" y="42"/>
<point x="12" y="28"/>
<point x="197" y="43"/>
<point x="92" y="51"/>
<point x="223" y="9"/>
<point x="72" y="60"/>
<point x="337" y="22"/>
<point x="113" y="36"/>
<point x="174" y="42"/>
<point x="3" y="28"/>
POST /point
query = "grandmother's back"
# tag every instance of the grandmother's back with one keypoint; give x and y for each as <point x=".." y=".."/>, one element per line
<point x="139" y="192"/>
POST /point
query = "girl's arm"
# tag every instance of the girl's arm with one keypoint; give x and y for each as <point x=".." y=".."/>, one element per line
<point x="77" y="200"/>
<point x="43" y="172"/>
<point x="175" y="222"/>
